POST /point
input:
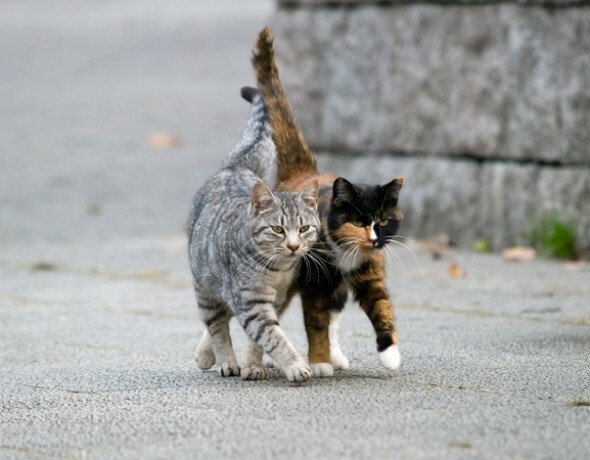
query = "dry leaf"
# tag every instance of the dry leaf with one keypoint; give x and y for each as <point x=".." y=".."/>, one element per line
<point x="519" y="254"/>
<point x="162" y="140"/>
<point x="436" y="246"/>
<point x="455" y="271"/>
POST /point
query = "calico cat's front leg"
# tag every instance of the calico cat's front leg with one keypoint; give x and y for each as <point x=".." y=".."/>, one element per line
<point x="320" y="315"/>
<point x="371" y="293"/>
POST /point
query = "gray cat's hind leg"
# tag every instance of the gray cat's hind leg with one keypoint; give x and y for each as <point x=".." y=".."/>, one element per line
<point x="204" y="355"/>
<point x="217" y="321"/>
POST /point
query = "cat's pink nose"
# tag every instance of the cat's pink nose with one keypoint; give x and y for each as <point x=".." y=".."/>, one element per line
<point x="293" y="246"/>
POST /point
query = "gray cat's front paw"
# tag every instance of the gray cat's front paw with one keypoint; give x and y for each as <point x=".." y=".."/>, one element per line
<point x="227" y="369"/>
<point x="298" y="372"/>
<point x="205" y="359"/>
<point x="253" y="372"/>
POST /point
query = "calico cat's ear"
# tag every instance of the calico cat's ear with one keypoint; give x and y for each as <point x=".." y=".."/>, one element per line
<point x="343" y="192"/>
<point x="309" y="194"/>
<point x="392" y="189"/>
<point x="262" y="198"/>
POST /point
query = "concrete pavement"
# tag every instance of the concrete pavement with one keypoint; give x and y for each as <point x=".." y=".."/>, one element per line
<point x="97" y="317"/>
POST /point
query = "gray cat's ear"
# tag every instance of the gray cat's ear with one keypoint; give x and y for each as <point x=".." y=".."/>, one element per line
<point x="262" y="198"/>
<point x="343" y="192"/>
<point x="309" y="194"/>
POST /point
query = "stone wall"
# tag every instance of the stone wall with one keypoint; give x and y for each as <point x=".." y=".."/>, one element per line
<point x="484" y="106"/>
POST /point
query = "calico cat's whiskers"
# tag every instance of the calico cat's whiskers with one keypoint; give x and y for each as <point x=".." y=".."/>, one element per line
<point x="394" y="240"/>
<point x="347" y="242"/>
<point x="392" y="255"/>
<point x="350" y="259"/>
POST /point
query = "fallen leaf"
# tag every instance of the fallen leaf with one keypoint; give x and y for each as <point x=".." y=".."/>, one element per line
<point x="519" y="254"/>
<point x="162" y="140"/>
<point x="436" y="246"/>
<point x="455" y="271"/>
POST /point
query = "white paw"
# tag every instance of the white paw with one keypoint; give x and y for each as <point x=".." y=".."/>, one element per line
<point x="322" y="369"/>
<point x="227" y="369"/>
<point x="390" y="357"/>
<point x="339" y="361"/>
<point x="253" y="372"/>
<point x="298" y="372"/>
<point x="205" y="358"/>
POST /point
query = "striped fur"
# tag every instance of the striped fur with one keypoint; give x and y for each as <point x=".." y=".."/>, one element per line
<point x="245" y="247"/>
<point x="358" y="221"/>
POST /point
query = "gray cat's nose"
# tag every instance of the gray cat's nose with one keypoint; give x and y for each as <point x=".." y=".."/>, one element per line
<point x="293" y="246"/>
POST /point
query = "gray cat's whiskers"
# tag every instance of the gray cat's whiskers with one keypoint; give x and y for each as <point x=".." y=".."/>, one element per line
<point x="258" y="262"/>
<point x="317" y="261"/>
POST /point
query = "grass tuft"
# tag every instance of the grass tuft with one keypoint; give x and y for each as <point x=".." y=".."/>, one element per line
<point x="579" y="403"/>
<point x="43" y="267"/>
<point x="460" y="445"/>
<point x="554" y="237"/>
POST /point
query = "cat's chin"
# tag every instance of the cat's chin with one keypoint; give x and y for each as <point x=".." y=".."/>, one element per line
<point x="369" y="248"/>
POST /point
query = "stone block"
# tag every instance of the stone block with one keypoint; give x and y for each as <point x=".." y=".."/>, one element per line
<point x="492" y="81"/>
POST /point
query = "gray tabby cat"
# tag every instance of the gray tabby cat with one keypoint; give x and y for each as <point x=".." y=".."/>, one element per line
<point x="245" y="247"/>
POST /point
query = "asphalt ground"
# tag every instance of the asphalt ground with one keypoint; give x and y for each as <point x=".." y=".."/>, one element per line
<point x="98" y="322"/>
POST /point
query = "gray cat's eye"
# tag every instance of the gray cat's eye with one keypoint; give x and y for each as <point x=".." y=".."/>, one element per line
<point x="277" y="229"/>
<point x="357" y="223"/>
<point x="303" y="228"/>
<point x="383" y="223"/>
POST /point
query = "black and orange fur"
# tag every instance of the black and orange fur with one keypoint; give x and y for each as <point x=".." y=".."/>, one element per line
<point x="350" y="214"/>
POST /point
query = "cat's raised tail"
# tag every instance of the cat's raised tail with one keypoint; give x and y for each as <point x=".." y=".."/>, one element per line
<point x="294" y="158"/>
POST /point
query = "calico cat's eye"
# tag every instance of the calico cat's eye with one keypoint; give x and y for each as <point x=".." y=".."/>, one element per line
<point x="303" y="228"/>
<point x="357" y="223"/>
<point x="383" y="223"/>
<point x="278" y="229"/>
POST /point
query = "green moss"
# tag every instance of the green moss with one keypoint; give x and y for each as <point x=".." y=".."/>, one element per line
<point x="553" y="236"/>
<point x="481" y="245"/>
<point x="43" y="267"/>
<point x="460" y="445"/>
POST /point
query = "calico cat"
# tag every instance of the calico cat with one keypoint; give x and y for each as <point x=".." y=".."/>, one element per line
<point x="358" y="221"/>
<point x="245" y="245"/>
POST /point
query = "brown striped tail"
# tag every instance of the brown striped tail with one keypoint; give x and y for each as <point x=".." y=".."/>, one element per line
<point x="294" y="158"/>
